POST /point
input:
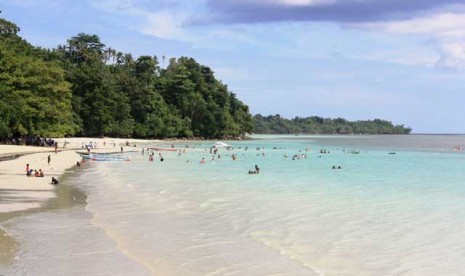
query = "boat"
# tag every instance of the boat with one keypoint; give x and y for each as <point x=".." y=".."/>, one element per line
<point x="221" y="145"/>
<point x="164" y="149"/>
<point x="96" y="157"/>
<point x="86" y="156"/>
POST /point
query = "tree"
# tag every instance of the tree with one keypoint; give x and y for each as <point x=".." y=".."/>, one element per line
<point x="317" y="125"/>
<point x="86" y="88"/>
<point x="98" y="101"/>
<point x="35" y="99"/>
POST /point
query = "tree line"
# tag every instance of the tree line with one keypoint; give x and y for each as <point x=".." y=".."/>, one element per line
<point x="84" y="88"/>
<point x="275" y="124"/>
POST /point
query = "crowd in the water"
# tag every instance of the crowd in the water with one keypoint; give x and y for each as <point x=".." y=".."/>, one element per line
<point x="215" y="155"/>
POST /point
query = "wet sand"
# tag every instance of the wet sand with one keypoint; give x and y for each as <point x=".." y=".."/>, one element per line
<point x="67" y="197"/>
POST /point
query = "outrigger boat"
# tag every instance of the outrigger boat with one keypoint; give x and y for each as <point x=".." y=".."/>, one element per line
<point x="86" y="156"/>
<point x="98" y="157"/>
<point x="104" y="157"/>
<point x="164" y="149"/>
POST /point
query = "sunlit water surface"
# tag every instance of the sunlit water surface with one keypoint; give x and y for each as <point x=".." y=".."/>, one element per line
<point x="380" y="214"/>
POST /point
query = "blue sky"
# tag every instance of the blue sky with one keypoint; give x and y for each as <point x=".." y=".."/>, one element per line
<point x="399" y="60"/>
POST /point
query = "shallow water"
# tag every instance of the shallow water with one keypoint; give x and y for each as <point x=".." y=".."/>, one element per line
<point x="380" y="214"/>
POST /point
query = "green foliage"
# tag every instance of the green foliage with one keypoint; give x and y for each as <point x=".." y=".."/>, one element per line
<point x="275" y="124"/>
<point x="86" y="88"/>
<point x="204" y="104"/>
<point x="8" y="28"/>
<point x="34" y="97"/>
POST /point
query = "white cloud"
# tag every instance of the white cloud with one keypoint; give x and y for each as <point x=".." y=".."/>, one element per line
<point x="163" y="25"/>
<point x="445" y="29"/>
<point x="419" y="57"/>
<point x="438" y="24"/>
<point x="453" y="56"/>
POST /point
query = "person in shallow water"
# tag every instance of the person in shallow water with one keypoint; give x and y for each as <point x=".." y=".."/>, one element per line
<point x="256" y="171"/>
<point x="54" y="181"/>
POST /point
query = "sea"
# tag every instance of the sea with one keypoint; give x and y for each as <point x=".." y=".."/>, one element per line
<point x="320" y="205"/>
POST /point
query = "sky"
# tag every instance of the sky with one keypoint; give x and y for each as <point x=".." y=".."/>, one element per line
<point x="398" y="60"/>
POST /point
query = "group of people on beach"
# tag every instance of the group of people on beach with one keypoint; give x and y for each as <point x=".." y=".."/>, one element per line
<point x="33" y="173"/>
<point x="29" y="141"/>
<point x="39" y="173"/>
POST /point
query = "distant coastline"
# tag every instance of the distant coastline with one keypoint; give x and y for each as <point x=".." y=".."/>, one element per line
<point x="275" y="124"/>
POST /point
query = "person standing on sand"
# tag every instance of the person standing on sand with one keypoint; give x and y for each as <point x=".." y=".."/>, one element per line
<point x="27" y="168"/>
<point x="121" y="149"/>
<point x="48" y="159"/>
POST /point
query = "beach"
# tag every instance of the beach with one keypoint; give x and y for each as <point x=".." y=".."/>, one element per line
<point x="21" y="195"/>
<point x="29" y="192"/>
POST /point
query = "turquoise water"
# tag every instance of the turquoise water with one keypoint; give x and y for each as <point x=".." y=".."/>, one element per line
<point x="380" y="214"/>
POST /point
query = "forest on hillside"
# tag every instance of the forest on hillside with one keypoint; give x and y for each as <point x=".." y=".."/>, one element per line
<point x="275" y="124"/>
<point x="84" y="88"/>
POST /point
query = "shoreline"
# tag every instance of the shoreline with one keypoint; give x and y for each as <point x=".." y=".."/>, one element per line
<point x="66" y="197"/>
<point x="21" y="195"/>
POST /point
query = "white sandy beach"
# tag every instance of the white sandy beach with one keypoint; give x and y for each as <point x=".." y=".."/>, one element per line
<point x="20" y="195"/>
<point x="20" y="192"/>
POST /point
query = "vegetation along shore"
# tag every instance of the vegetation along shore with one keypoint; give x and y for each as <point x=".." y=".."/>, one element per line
<point x="85" y="88"/>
